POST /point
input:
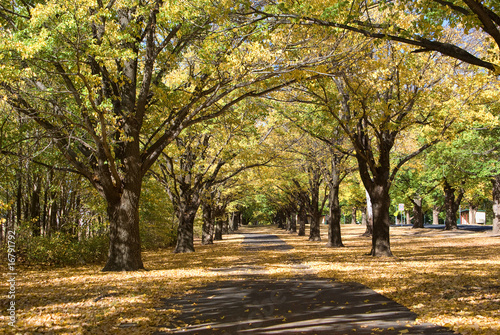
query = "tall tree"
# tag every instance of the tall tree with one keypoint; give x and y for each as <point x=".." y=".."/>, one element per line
<point x="376" y="100"/>
<point x="463" y="163"/>
<point x="113" y="84"/>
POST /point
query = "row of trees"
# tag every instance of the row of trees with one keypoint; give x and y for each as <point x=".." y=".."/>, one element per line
<point x="120" y="91"/>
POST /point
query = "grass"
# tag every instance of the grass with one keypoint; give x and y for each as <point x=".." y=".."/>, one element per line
<point x="447" y="278"/>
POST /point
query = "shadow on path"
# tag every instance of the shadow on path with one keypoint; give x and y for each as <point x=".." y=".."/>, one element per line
<point x="303" y="304"/>
<point x="300" y="305"/>
<point x="258" y="242"/>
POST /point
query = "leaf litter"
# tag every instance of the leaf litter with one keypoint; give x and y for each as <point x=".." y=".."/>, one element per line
<point x="449" y="280"/>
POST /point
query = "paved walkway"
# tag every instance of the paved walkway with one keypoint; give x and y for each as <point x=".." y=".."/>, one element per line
<point x="303" y="304"/>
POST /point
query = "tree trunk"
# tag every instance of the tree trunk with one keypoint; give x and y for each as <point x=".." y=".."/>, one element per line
<point x="472" y="214"/>
<point x="230" y="221"/>
<point x="124" y="238"/>
<point x="280" y="219"/>
<point x="207" y="236"/>
<point x="35" y="208"/>
<point x="314" y="230"/>
<point x="225" y="226"/>
<point x="236" y="221"/>
<point x="218" y="229"/>
<point x="381" y="221"/>
<point x="418" y="215"/>
<point x="368" y="216"/>
<point x="185" y="230"/>
<point x="293" y="223"/>
<point x="353" y="215"/>
<point x="451" y="206"/>
<point x="435" y="215"/>
<point x="302" y="218"/>
<point x="315" y="215"/>
<point x="334" y="233"/>
<point x="19" y="198"/>
<point x="496" y="204"/>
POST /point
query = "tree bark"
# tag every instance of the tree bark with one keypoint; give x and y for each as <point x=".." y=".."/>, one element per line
<point x="293" y="223"/>
<point x="381" y="221"/>
<point x="368" y="216"/>
<point x="35" y="208"/>
<point x="452" y="204"/>
<point x="314" y="230"/>
<point x="472" y="214"/>
<point x="496" y="204"/>
<point x="418" y="215"/>
<point x="236" y="220"/>
<point x="230" y="221"/>
<point x="435" y="215"/>
<point x="353" y="215"/>
<point x="218" y="229"/>
<point x="334" y="233"/>
<point x="315" y="214"/>
<point x="185" y="218"/>
<point x="19" y="198"/>
<point x="207" y="236"/>
<point x="124" y="238"/>
<point x="302" y="218"/>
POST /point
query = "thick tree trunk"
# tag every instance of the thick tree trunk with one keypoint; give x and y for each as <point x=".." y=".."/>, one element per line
<point x="334" y="234"/>
<point x="280" y="219"/>
<point x="353" y="215"/>
<point x="314" y="231"/>
<point x="185" y="230"/>
<point x="230" y="221"/>
<point x="472" y="214"/>
<point x="236" y="221"/>
<point x="435" y="214"/>
<point x="124" y="238"/>
<point x="207" y="236"/>
<point x="381" y="221"/>
<point x="315" y="215"/>
<point x="418" y="215"/>
<point x="496" y="204"/>
<point x="302" y="218"/>
<point x="218" y="229"/>
<point x="293" y="223"/>
<point x="451" y="206"/>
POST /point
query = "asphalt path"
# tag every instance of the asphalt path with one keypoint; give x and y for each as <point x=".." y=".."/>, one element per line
<point x="306" y="304"/>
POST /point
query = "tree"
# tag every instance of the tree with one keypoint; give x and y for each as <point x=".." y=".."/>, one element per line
<point x="332" y="155"/>
<point x="376" y="100"/>
<point x="462" y="163"/>
<point x="417" y="23"/>
<point x="113" y="84"/>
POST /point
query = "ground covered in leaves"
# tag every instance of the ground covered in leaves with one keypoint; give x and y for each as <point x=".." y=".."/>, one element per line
<point x="448" y="278"/>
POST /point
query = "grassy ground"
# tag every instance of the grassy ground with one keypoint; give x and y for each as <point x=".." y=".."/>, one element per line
<point x="447" y="278"/>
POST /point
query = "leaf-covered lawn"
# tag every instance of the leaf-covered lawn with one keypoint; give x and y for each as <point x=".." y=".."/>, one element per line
<point x="447" y="278"/>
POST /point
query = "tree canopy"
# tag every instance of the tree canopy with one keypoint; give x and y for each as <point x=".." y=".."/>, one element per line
<point x="250" y="108"/>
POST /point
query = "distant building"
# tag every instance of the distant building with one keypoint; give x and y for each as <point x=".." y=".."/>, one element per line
<point x="465" y="217"/>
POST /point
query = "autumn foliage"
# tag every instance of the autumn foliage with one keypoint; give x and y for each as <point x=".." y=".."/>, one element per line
<point x="447" y="278"/>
